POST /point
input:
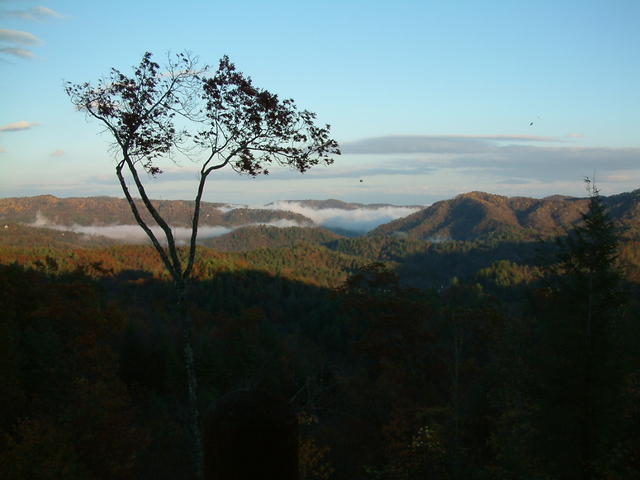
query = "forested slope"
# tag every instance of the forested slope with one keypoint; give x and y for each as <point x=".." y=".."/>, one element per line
<point x="387" y="380"/>
<point x="476" y="215"/>
<point x="100" y="211"/>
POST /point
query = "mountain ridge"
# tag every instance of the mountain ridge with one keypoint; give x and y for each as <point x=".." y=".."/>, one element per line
<point x="474" y="215"/>
<point x="104" y="211"/>
<point x="467" y="217"/>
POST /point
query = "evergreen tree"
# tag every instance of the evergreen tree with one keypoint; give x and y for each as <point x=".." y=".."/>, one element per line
<point x="580" y="371"/>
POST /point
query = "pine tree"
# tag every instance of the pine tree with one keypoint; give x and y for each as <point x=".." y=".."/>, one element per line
<point x="581" y="375"/>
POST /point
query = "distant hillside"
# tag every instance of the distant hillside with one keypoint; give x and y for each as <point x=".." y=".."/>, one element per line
<point x="625" y="208"/>
<point x="18" y="235"/>
<point x="100" y="211"/>
<point x="477" y="215"/>
<point x="470" y="216"/>
<point x="264" y="236"/>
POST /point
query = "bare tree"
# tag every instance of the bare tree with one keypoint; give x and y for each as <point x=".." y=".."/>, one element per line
<point x="217" y="118"/>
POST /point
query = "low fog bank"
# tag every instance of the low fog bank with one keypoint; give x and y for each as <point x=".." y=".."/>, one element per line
<point x="359" y="220"/>
<point x="135" y="234"/>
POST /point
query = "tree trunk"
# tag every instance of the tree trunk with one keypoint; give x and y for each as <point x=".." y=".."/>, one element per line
<point x="587" y="440"/>
<point x="192" y="382"/>
<point x="457" y="347"/>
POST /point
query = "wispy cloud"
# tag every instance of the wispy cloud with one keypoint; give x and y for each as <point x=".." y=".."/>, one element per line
<point x="17" y="126"/>
<point x="619" y="177"/>
<point x="36" y="13"/>
<point x="2" y="150"/>
<point x="57" y="153"/>
<point x="548" y="163"/>
<point x="18" y="37"/>
<point x="399" y="144"/>
<point x="506" y="138"/>
<point x="514" y="165"/>
<point x="17" y="40"/>
<point x="18" y="52"/>
<point x="514" y="181"/>
<point x="506" y="159"/>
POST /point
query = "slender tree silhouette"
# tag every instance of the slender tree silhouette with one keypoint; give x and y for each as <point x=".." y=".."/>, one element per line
<point x="218" y="118"/>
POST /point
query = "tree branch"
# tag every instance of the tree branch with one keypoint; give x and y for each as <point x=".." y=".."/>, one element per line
<point x="143" y="225"/>
<point x="196" y="210"/>
<point x="171" y="245"/>
<point x="194" y="226"/>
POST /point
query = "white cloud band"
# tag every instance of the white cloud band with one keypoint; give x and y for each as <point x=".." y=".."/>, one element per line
<point x="36" y="13"/>
<point x="17" y="126"/>
<point x="18" y="37"/>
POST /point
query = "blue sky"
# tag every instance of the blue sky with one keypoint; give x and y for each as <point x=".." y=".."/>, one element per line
<point x="427" y="99"/>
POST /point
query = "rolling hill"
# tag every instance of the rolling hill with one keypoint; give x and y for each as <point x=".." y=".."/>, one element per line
<point x="467" y="217"/>
<point x="101" y="211"/>
<point x="265" y="236"/>
<point x="477" y="215"/>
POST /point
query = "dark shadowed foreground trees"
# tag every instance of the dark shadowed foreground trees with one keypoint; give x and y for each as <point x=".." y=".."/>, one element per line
<point x="571" y="364"/>
<point x="389" y="382"/>
<point x="217" y="118"/>
<point x="584" y="342"/>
